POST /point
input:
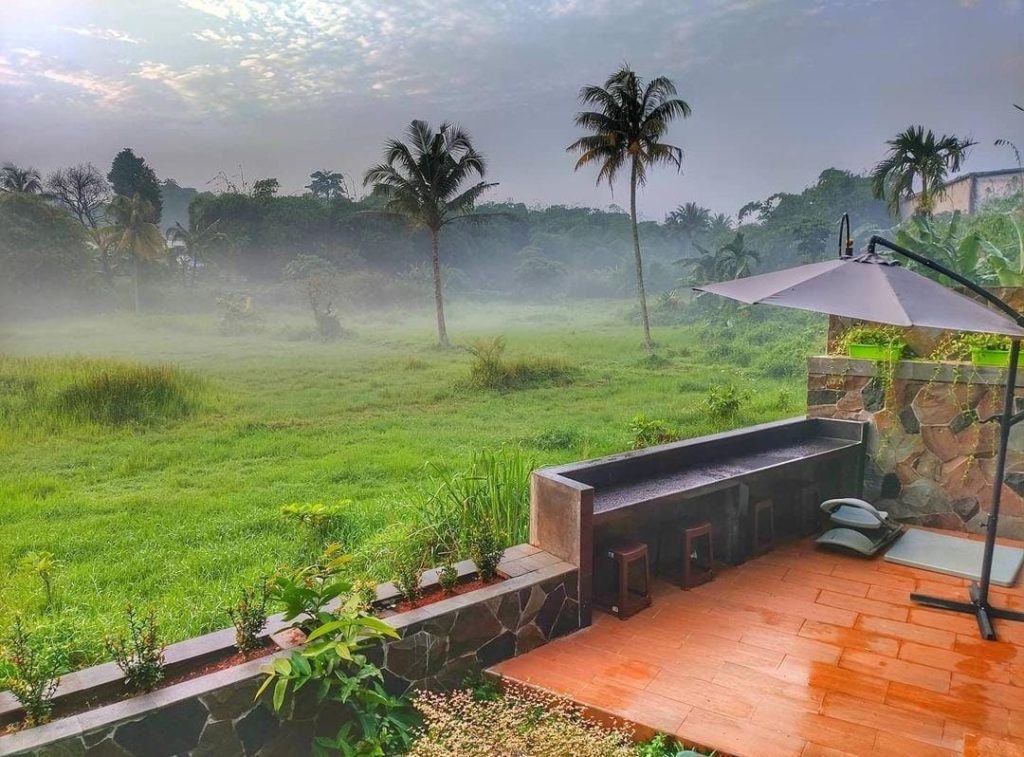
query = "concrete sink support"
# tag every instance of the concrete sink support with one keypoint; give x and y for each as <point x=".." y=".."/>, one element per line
<point x="576" y="506"/>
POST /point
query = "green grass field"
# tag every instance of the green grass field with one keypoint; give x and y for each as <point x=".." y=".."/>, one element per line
<point x="179" y="515"/>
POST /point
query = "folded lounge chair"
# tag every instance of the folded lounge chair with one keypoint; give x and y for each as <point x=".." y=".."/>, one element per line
<point x="860" y="528"/>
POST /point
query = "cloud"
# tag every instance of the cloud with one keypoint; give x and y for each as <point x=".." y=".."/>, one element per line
<point x="109" y="35"/>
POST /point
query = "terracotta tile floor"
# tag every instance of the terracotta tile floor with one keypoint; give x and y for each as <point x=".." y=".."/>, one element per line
<point x="801" y="652"/>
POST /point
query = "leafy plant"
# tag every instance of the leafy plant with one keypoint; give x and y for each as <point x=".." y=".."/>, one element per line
<point x="491" y="370"/>
<point x="663" y="745"/>
<point x="32" y="676"/>
<point x="723" y="402"/>
<point x="334" y="664"/>
<point x="365" y="592"/>
<point x="249" y="617"/>
<point x="485" y="549"/>
<point x="140" y="652"/>
<point x="964" y="252"/>
<point x="882" y="336"/>
<point x="407" y="565"/>
<point x="648" y="432"/>
<point x="316" y="516"/>
<point x="304" y="593"/>
<point x="448" y="578"/>
<point x="43" y="565"/>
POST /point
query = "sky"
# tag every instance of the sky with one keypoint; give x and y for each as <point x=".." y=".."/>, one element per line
<point x="779" y="89"/>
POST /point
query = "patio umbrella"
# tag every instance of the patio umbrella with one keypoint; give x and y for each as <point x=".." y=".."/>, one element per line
<point x="872" y="287"/>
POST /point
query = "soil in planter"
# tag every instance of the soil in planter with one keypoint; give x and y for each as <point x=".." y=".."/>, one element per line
<point x="436" y="594"/>
<point x="74" y="705"/>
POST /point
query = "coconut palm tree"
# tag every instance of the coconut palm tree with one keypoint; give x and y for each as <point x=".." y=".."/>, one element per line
<point x="629" y="120"/>
<point x="917" y="155"/>
<point x="690" y="219"/>
<point x="15" y="179"/>
<point x="137" y="235"/>
<point x="422" y="180"/>
<point x="719" y="224"/>
<point x="735" y="260"/>
<point x="103" y="239"/>
<point x="327" y="185"/>
<point x="196" y="239"/>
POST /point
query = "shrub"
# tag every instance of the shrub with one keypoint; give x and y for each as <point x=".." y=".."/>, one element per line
<point x="522" y="722"/>
<point x="490" y="369"/>
<point x="722" y="402"/>
<point x="140" y="652"/>
<point x="648" y="432"/>
<point x="32" y="676"/>
<point x="365" y="592"/>
<point x="448" y="578"/>
<point x="485" y="549"/>
<point x="237" y="315"/>
<point x="335" y="665"/>
<point x="249" y="617"/>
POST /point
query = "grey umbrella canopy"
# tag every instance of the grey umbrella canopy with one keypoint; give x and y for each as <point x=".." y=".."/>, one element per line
<point x="870" y="288"/>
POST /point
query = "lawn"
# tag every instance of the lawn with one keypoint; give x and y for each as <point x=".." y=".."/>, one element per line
<point x="178" y="516"/>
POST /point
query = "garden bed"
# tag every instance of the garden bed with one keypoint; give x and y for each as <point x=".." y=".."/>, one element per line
<point x="207" y="699"/>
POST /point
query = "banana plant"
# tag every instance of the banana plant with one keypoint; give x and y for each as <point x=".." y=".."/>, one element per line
<point x="968" y="254"/>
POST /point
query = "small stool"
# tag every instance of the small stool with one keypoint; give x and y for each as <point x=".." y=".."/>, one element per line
<point x="764" y="526"/>
<point x="626" y="600"/>
<point x="698" y="556"/>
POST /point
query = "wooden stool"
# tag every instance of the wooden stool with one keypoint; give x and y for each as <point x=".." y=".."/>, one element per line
<point x="764" y="526"/>
<point x="696" y="563"/>
<point x="627" y="600"/>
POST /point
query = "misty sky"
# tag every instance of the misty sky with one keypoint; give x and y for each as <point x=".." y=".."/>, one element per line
<point x="779" y="88"/>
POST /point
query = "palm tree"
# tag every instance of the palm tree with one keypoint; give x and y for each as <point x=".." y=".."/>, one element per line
<point x="137" y="235"/>
<point x="917" y="155"/>
<point x="327" y="185"/>
<point x="719" y="224"/>
<point x="15" y="179"/>
<point x="735" y="260"/>
<point x="627" y="124"/>
<point x="421" y="180"/>
<point x="196" y="239"/>
<point x="690" y="219"/>
<point x="104" y="240"/>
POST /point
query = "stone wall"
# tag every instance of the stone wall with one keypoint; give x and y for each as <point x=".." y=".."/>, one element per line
<point x="930" y="462"/>
<point x="216" y="714"/>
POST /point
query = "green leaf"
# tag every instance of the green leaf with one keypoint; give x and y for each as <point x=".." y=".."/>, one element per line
<point x="326" y="629"/>
<point x="282" y="666"/>
<point x="263" y="686"/>
<point x="378" y="625"/>
<point x="279" y="691"/>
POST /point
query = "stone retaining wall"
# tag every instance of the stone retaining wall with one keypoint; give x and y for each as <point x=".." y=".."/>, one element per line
<point x="216" y="714"/>
<point x="930" y="462"/>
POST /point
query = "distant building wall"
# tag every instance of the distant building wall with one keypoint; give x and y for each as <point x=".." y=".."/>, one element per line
<point x="969" y="192"/>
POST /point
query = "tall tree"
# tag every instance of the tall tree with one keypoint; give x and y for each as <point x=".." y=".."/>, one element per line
<point x="690" y="220"/>
<point x="265" y="189"/>
<point x="735" y="259"/>
<point x="422" y="180"/>
<point x="327" y="185"/>
<point x="628" y="122"/>
<point x="138" y="236"/>
<point x="917" y="155"/>
<point x="82" y="190"/>
<point x="130" y="175"/>
<point x="719" y="224"/>
<point x="15" y="179"/>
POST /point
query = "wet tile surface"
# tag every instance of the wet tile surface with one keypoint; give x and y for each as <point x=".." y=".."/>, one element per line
<point x="801" y="652"/>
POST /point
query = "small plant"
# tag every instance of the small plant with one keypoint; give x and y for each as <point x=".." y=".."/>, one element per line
<point x="483" y="687"/>
<point x="648" y="432"/>
<point x="723" y="402"/>
<point x="407" y="568"/>
<point x="43" y="565"/>
<point x="485" y="548"/>
<point x="663" y="745"/>
<point x="889" y="337"/>
<point x="365" y="592"/>
<point x="140" y="652"/>
<point x="318" y="517"/>
<point x="32" y="675"/>
<point x="448" y="578"/>
<point x="491" y="370"/>
<point x="249" y="617"/>
<point x="304" y="593"/>
<point x="335" y="662"/>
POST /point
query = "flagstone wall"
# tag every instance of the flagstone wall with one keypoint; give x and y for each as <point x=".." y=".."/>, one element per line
<point x="930" y="461"/>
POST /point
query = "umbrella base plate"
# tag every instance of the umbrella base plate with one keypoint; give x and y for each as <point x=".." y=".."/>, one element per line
<point x="978" y="606"/>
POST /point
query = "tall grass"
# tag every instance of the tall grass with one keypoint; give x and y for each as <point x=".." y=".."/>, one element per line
<point x="492" y="370"/>
<point x="495" y="487"/>
<point x="53" y="394"/>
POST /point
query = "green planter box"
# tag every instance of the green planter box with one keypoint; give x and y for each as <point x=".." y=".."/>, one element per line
<point x="996" y="358"/>
<point x="878" y="352"/>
